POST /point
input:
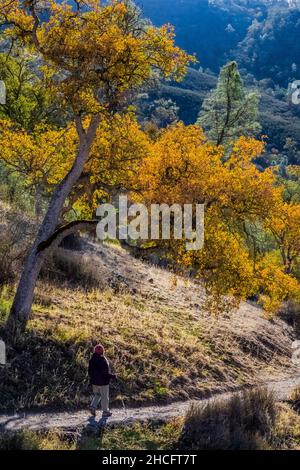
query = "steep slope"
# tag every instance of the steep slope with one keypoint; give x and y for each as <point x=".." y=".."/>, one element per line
<point x="208" y="30"/>
<point x="162" y="343"/>
<point x="271" y="47"/>
<point x="261" y="34"/>
<point x="279" y="118"/>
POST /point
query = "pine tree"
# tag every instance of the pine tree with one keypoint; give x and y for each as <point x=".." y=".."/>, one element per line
<point x="230" y="110"/>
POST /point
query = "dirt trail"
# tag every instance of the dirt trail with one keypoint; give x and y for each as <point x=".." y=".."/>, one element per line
<point x="75" y="421"/>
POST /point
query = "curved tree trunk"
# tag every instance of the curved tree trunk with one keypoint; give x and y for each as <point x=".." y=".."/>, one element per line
<point x="22" y="304"/>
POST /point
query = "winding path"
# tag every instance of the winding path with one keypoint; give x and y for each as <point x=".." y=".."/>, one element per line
<point x="74" y="421"/>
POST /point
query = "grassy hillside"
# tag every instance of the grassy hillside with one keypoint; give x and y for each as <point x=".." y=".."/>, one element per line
<point x="161" y="342"/>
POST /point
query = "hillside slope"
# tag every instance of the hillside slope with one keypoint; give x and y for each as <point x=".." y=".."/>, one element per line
<point x="161" y="342"/>
<point x="202" y="27"/>
<point x="262" y="34"/>
<point x="279" y="118"/>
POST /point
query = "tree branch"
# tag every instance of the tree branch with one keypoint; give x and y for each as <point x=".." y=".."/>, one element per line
<point x="63" y="232"/>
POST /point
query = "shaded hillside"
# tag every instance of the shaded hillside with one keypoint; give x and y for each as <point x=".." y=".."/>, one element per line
<point x="280" y="119"/>
<point x="271" y="47"/>
<point x="201" y="28"/>
<point x="261" y="34"/>
<point x="188" y="94"/>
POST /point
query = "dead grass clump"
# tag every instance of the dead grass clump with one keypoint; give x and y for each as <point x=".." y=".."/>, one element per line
<point x="286" y="434"/>
<point x="294" y="399"/>
<point x="290" y="313"/>
<point x="73" y="269"/>
<point x="244" y="421"/>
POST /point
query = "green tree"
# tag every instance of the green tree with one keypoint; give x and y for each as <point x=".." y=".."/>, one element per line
<point x="28" y="99"/>
<point x="230" y="111"/>
<point x="29" y="104"/>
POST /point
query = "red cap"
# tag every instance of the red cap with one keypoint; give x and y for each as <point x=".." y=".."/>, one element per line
<point x="99" y="349"/>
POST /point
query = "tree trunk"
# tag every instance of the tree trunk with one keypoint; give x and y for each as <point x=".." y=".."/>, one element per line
<point x="21" y="307"/>
<point x="22" y="304"/>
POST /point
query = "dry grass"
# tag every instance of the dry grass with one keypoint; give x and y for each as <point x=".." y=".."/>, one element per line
<point x="286" y="433"/>
<point x="294" y="400"/>
<point x="241" y="422"/>
<point x="248" y="421"/>
<point x="71" y="269"/>
<point x="162" y="344"/>
<point x="139" y="436"/>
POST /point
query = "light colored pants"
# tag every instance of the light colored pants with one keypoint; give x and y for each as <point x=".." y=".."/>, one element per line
<point x="101" y="392"/>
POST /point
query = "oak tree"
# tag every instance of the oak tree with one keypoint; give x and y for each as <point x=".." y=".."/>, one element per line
<point x="95" y="56"/>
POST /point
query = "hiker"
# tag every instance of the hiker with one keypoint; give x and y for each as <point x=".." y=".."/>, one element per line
<point x="100" y="377"/>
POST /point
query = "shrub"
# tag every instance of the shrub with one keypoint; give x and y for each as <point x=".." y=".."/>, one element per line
<point x="6" y="261"/>
<point x="72" y="268"/>
<point x="244" y="421"/>
<point x="290" y="312"/>
<point x="294" y="399"/>
<point x="5" y="302"/>
<point x="15" y="236"/>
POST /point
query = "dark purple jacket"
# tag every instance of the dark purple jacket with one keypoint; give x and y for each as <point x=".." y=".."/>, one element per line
<point x="99" y="372"/>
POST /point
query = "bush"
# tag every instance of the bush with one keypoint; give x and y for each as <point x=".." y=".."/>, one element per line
<point x="294" y="399"/>
<point x="6" y="261"/>
<point x="290" y="313"/>
<point x="5" y="302"/>
<point x="15" y="236"/>
<point x="13" y="190"/>
<point x="244" y="421"/>
<point x="72" y="268"/>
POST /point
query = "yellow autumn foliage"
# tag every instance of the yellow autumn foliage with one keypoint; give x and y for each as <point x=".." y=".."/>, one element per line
<point x="184" y="167"/>
<point x="97" y="53"/>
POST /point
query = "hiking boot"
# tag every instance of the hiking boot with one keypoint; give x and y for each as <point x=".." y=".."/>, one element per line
<point x="106" y="414"/>
<point x="93" y="412"/>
